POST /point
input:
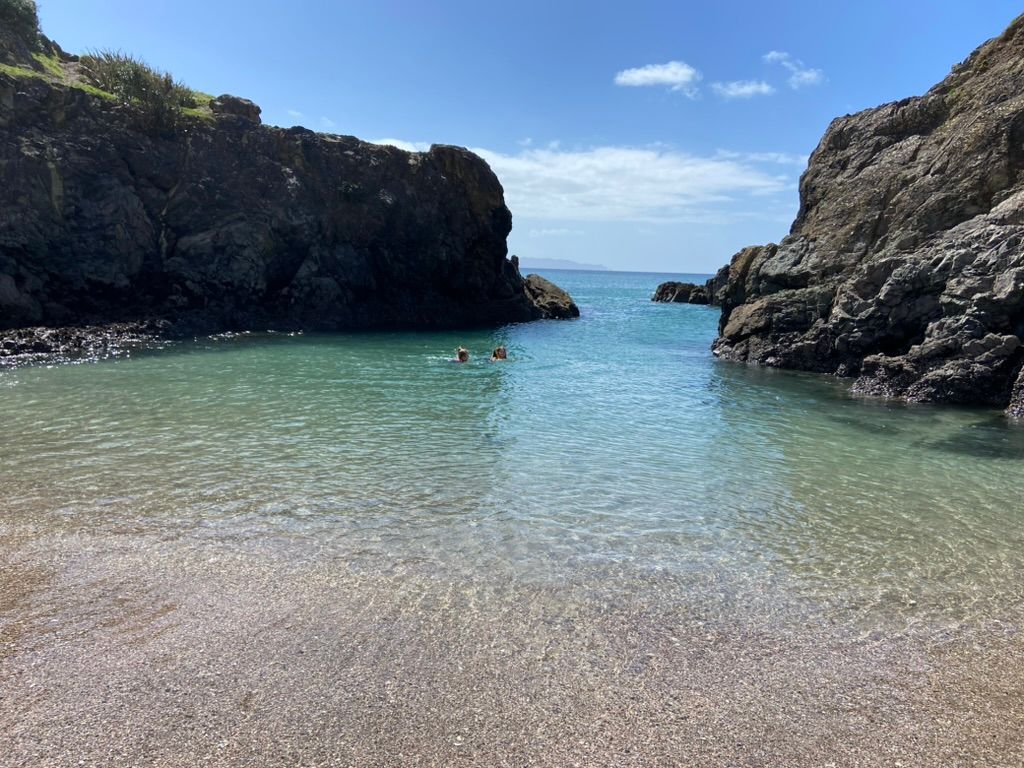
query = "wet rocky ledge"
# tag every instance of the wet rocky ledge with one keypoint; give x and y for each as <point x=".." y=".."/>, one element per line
<point x="44" y="345"/>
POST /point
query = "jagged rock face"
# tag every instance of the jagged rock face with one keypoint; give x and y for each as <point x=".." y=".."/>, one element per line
<point x="905" y="265"/>
<point x="229" y="224"/>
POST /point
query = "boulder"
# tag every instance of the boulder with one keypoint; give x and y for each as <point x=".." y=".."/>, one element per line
<point x="905" y="265"/>
<point x="673" y="292"/>
<point x="226" y="104"/>
<point x="550" y="300"/>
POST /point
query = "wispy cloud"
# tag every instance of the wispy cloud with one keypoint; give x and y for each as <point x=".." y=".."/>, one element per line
<point x="799" y="74"/>
<point x="294" y="113"/>
<point x="742" y="89"/>
<point x="623" y="183"/>
<point x="778" y="158"/>
<point x="555" y="232"/>
<point x="326" y="122"/>
<point x="675" y="75"/>
<point x="652" y="184"/>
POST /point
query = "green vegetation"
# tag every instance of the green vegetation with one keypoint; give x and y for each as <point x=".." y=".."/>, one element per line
<point x="94" y="91"/>
<point x="13" y="71"/>
<point x="51" y="64"/>
<point x="22" y="18"/>
<point x="159" y="101"/>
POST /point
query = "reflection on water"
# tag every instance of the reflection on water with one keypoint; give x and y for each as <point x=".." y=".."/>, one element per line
<point x="614" y="445"/>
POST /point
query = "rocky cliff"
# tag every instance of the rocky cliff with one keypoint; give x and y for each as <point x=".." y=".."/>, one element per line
<point x="905" y="265"/>
<point x="223" y="223"/>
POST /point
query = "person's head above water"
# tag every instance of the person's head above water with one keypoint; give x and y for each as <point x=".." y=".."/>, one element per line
<point x="462" y="355"/>
<point x="499" y="353"/>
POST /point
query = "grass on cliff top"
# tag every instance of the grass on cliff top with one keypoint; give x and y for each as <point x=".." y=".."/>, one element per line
<point x="50" y="64"/>
<point x="14" y="71"/>
<point x="160" y="101"/>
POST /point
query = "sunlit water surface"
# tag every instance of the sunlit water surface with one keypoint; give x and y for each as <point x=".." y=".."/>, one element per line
<point x="614" y="447"/>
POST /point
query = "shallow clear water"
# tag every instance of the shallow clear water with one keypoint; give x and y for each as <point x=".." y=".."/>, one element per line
<point x="614" y="445"/>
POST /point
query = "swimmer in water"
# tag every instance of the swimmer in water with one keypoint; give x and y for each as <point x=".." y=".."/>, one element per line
<point x="499" y="354"/>
<point x="461" y="355"/>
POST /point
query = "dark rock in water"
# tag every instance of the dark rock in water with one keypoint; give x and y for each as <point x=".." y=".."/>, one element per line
<point x="225" y="224"/>
<point x="550" y="300"/>
<point x="673" y="292"/>
<point x="227" y="104"/>
<point x="54" y="345"/>
<point x="905" y="265"/>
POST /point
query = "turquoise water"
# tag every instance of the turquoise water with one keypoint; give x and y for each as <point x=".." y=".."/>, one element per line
<point x="614" y="446"/>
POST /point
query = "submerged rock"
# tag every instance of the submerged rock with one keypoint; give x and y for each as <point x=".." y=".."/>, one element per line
<point x="905" y="265"/>
<point x="222" y="223"/>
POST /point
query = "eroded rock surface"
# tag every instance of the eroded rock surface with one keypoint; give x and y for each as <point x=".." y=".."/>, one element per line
<point x="905" y="265"/>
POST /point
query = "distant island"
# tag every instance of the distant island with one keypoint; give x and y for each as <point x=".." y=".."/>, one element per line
<point x="559" y="264"/>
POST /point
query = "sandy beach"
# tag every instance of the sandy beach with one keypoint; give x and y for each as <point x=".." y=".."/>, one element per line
<point x="135" y="650"/>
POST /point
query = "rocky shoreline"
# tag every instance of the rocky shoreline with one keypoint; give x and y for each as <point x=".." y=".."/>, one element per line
<point x="904" y="268"/>
<point x="40" y="344"/>
<point x="48" y="345"/>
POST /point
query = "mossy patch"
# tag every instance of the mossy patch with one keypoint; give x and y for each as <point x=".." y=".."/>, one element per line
<point x="13" y="71"/>
<point x="94" y="91"/>
<point x="199" y="113"/>
<point x="50" y="64"/>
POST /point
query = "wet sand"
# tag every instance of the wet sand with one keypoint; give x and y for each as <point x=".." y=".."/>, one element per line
<point x="129" y="649"/>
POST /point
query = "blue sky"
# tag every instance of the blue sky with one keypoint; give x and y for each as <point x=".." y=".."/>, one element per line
<point x="657" y="136"/>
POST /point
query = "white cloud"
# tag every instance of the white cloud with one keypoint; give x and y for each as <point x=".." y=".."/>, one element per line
<point x="624" y="183"/>
<point x="653" y="184"/>
<point x="408" y="146"/>
<point x="742" y="89"/>
<point x="778" y="158"/>
<point x="802" y="77"/>
<point x="294" y="113"/>
<point x="677" y="75"/>
<point x="799" y="75"/>
<point x="326" y="122"/>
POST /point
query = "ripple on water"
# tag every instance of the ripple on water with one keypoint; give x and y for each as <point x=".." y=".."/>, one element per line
<point x="613" y="444"/>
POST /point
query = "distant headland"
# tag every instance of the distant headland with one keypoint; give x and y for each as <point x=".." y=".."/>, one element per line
<point x="528" y="263"/>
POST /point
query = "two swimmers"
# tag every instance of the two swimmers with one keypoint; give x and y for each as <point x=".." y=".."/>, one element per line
<point x="462" y="355"/>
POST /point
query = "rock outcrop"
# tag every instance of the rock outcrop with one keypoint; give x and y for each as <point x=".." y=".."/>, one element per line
<point x="905" y="265"/>
<point x="673" y="292"/>
<point x="225" y="223"/>
<point x="551" y="300"/>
